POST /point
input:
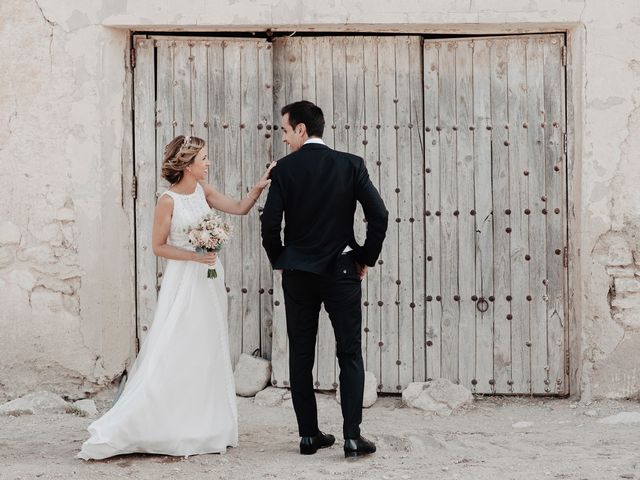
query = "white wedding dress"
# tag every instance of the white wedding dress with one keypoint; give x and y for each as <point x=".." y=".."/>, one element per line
<point x="180" y="397"/>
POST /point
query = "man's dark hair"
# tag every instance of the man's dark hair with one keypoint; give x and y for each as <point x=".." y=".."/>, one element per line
<point x="307" y="113"/>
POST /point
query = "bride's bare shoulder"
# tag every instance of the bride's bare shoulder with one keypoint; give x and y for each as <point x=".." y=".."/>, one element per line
<point x="165" y="203"/>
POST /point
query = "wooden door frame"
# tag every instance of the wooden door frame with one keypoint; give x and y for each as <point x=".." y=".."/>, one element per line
<point x="574" y="107"/>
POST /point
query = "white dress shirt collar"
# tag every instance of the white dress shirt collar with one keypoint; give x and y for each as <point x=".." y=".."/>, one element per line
<point x="314" y="140"/>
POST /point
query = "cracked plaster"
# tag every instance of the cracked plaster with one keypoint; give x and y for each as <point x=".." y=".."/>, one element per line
<point x="66" y="279"/>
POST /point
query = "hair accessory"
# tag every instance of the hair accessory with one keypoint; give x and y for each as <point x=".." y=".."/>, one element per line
<point x="185" y="143"/>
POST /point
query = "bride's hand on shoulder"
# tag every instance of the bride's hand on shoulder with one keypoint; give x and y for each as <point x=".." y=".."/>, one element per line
<point x="265" y="181"/>
<point x="209" y="258"/>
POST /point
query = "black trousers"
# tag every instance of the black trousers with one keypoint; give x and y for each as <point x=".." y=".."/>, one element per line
<point x="341" y="293"/>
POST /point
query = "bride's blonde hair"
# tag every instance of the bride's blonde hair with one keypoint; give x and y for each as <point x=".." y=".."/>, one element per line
<point x="178" y="155"/>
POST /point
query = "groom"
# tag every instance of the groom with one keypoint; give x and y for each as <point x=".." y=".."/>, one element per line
<point x="316" y="188"/>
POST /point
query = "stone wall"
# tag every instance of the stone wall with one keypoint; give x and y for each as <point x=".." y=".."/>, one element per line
<point x="66" y="248"/>
<point x="66" y="273"/>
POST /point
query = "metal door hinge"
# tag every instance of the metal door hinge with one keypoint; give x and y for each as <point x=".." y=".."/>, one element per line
<point x="564" y="55"/>
<point x="565" y="257"/>
<point x="132" y="57"/>
<point x="134" y="187"/>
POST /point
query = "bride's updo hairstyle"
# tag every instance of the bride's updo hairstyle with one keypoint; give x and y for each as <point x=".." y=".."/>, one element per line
<point x="178" y="155"/>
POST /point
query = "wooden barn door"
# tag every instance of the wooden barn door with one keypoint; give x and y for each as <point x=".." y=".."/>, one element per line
<point x="220" y="90"/>
<point x="495" y="211"/>
<point x="370" y="89"/>
<point x="464" y="139"/>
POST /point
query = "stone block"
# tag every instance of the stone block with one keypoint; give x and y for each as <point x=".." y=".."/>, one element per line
<point x="251" y="374"/>
<point x="45" y="302"/>
<point x="370" y="390"/>
<point x="36" y="403"/>
<point x="271" y="397"/>
<point x="624" y="272"/>
<point x="619" y="253"/>
<point x="627" y="285"/>
<point x="39" y="255"/>
<point x="623" y="302"/>
<point x="630" y="317"/>
<point x="24" y="278"/>
<point x="56" y="285"/>
<point x="7" y="256"/>
<point x="9" y="233"/>
<point x="439" y="396"/>
<point x="622" y="418"/>
<point x="85" y="408"/>
<point x="65" y="215"/>
<point x="522" y="424"/>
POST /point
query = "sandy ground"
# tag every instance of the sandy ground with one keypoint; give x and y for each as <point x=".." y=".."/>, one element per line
<point x="478" y="443"/>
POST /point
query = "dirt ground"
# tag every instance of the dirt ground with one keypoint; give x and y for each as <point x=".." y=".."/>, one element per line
<point x="564" y="441"/>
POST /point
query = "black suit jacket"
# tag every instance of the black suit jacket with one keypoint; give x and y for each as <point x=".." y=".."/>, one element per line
<point x="317" y="189"/>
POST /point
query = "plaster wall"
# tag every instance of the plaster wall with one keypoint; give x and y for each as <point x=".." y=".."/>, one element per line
<point x="66" y="241"/>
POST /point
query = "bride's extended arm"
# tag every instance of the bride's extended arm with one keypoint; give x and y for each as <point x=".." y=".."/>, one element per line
<point x="161" y="228"/>
<point x="221" y="202"/>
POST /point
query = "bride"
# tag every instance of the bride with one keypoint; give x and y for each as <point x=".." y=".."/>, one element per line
<point x="180" y="396"/>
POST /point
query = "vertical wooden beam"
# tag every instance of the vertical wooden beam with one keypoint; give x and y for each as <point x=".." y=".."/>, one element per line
<point x="145" y="170"/>
<point x="433" y="314"/>
<point x="449" y="205"/>
<point x="502" y="215"/>
<point x="484" y="217"/>
<point x="466" y="220"/>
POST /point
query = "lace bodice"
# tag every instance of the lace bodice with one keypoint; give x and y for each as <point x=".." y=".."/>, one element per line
<point x="188" y="210"/>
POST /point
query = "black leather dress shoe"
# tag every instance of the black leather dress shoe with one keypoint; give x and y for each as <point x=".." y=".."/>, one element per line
<point x="310" y="445"/>
<point x="355" y="447"/>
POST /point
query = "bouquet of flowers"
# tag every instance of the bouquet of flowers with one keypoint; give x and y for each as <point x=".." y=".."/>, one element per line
<point x="209" y="236"/>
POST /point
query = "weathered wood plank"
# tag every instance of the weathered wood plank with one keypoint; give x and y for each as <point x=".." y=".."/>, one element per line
<point x="280" y="349"/>
<point x="356" y="112"/>
<point x="325" y="368"/>
<point x="145" y="171"/>
<point x="388" y="184"/>
<point x="216" y="113"/>
<point x="279" y="345"/>
<point x="279" y="94"/>
<point x="323" y="60"/>
<point x="165" y="129"/>
<point x="182" y="105"/>
<point x="128" y="201"/>
<point x="433" y="314"/>
<point x="416" y="131"/>
<point x="466" y="231"/>
<point x="250" y="237"/>
<point x="327" y="372"/>
<point x="483" y="217"/>
<point x="555" y="187"/>
<point x="308" y="68"/>
<point x="199" y="93"/>
<point x="265" y="156"/>
<point x="354" y="56"/>
<point x="182" y="64"/>
<point x="233" y="187"/>
<point x="562" y="129"/>
<point x="502" y="214"/>
<point x="449" y="205"/>
<point x="405" y="245"/>
<point x="371" y="287"/>
<point x="537" y="221"/>
<point x="520" y="255"/>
